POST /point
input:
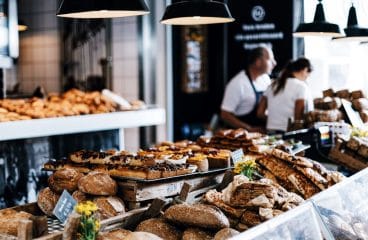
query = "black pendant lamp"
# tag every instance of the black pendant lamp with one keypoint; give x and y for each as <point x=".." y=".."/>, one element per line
<point x="197" y="12"/>
<point x="353" y="32"/>
<point x="319" y="26"/>
<point x="102" y="8"/>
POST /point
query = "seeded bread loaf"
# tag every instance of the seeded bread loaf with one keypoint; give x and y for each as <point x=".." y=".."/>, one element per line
<point x="47" y="200"/>
<point x="64" y="179"/>
<point x="160" y="228"/>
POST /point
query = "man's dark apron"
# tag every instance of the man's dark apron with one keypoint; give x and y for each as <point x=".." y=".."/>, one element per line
<point x="251" y="117"/>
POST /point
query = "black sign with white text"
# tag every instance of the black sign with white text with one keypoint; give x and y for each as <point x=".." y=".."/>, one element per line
<point x="259" y="21"/>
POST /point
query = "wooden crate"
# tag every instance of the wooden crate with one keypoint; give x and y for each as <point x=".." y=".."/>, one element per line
<point x="135" y="192"/>
<point x="337" y="155"/>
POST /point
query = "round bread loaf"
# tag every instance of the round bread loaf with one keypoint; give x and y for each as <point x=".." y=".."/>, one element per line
<point x="64" y="179"/>
<point x="114" y="235"/>
<point x="47" y="200"/>
<point x="159" y="227"/>
<point x="225" y="234"/>
<point x="80" y="196"/>
<point x="97" y="183"/>
<point x="197" y="215"/>
<point x="142" y="236"/>
<point x="196" y="234"/>
<point x="109" y="207"/>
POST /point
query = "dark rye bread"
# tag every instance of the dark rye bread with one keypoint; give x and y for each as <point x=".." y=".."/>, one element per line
<point x="161" y="228"/>
<point x="64" y="179"/>
<point x="246" y="192"/>
<point x="98" y="183"/>
<point x="197" y="215"/>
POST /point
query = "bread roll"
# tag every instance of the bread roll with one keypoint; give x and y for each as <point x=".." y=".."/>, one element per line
<point x="47" y="200"/>
<point x="98" y="183"/>
<point x="142" y="236"/>
<point x="117" y="234"/>
<point x="160" y="228"/>
<point x="80" y="196"/>
<point x="225" y="234"/>
<point x="196" y="234"/>
<point x="64" y="179"/>
<point x="9" y="221"/>
<point x="197" y="215"/>
<point x="109" y="207"/>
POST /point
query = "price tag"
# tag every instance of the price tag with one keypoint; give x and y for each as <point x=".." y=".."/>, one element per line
<point x="237" y="155"/>
<point x="64" y="206"/>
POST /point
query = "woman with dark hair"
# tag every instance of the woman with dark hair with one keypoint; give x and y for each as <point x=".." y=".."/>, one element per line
<point x="287" y="97"/>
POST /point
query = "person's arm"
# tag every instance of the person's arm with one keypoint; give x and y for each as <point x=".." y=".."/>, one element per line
<point x="262" y="107"/>
<point x="235" y="122"/>
<point x="299" y="109"/>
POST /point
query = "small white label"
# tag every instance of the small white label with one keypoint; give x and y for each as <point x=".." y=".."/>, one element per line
<point x="237" y="155"/>
<point x="64" y="206"/>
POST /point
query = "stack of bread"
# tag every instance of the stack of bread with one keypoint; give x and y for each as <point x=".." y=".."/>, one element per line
<point x="248" y="203"/>
<point x="232" y="139"/>
<point x="181" y="222"/>
<point x="297" y="174"/>
<point x="165" y="160"/>
<point x="96" y="186"/>
<point x="361" y="105"/>
<point x="351" y="152"/>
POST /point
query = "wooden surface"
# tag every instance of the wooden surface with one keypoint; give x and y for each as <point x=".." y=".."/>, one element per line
<point x="25" y="230"/>
<point x="137" y="192"/>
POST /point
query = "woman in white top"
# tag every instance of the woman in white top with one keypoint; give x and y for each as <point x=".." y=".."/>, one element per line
<point x="287" y="97"/>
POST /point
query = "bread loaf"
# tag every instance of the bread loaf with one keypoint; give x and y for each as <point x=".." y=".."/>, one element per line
<point x="114" y="235"/>
<point x="160" y="228"/>
<point x="225" y="234"/>
<point x="196" y="234"/>
<point x="109" y="207"/>
<point x="360" y="104"/>
<point x="142" y="236"/>
<point x="357" y="94"/>
<point x="197" y="215"/>
<point x="64" y="179"/>
<point x="98" y="183"/>
<point x="47" y="200"/>
<point x="328" y="93"/>
<point x="343" y="94"/>
<point x="80" y="196"/>
<point x="9" y="221"/>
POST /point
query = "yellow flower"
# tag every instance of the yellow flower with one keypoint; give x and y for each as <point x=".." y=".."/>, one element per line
<point x="97" y="225"/>
<point x="86" y="208"/>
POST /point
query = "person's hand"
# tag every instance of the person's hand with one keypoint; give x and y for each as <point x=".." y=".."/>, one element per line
<point x="257" y="129"/>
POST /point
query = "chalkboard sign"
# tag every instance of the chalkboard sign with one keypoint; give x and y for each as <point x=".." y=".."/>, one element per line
<point x="64" y="206"/>
<point x="259" y="21"/>
<point x="237" y="155"/>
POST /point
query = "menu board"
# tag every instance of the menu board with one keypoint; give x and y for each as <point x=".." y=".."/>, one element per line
<point x="259" y="21"/>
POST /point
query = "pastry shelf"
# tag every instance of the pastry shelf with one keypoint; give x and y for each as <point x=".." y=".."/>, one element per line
<point x="83" y="123"/>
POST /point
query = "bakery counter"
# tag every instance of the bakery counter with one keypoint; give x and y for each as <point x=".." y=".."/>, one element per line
<point x="83" y="123"/>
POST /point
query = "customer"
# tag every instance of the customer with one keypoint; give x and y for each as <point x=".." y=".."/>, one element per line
<point x="287" y="97"/>
<point x="244" y="91"/>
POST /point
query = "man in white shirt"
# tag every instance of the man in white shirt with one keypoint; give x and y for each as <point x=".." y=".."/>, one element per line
<point x="244" y="91"/>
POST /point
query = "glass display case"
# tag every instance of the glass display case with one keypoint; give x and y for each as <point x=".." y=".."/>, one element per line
<point x="340" y="212"/>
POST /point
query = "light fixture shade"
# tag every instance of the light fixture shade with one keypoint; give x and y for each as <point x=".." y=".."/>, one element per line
<point x="353" y="32"/>
<point x="319" y="26"/>
<point x="197" y="12"/>
<point x="102" y="8"/>
<point x="22" y="26"/>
